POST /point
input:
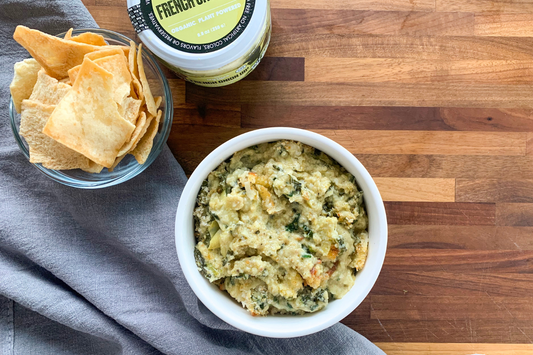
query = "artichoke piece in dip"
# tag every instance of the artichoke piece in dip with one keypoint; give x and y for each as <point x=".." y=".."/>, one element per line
<point x="281" y="227"/>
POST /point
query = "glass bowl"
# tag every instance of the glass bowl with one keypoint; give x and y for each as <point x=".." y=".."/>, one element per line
<point x="128" y="167"/>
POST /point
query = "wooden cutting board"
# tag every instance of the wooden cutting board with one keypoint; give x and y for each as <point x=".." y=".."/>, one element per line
<point x="435" y="98"/>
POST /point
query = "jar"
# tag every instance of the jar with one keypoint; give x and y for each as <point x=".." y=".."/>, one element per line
<point x="206" y="42"/>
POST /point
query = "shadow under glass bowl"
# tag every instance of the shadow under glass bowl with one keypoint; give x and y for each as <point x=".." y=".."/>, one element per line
<point x="128" y="167"/>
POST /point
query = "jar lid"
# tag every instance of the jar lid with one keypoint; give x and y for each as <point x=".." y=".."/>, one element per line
<point x="199" y="34"/>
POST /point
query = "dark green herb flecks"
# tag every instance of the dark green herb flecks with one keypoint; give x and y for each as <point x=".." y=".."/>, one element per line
<point x="297" y="185"/>
<point x="313" y="299"/>
<point x="233" y="279"/>
<point x="342" y="245"/>
<point x="328" y="207"/>
<point x="198" y="257"/>
<point x="293" y="226"/>
<point x="308" y="249"/>
<point x="308" y="233"/>
<point x="205" y="269"/>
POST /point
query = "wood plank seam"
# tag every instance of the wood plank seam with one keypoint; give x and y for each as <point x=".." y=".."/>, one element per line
<point x="429" y="142"/>
<point x="416" y="189"/>
<point x="398" y="348"/>
<point x="297" y="93"/>
<point x="499" y="72"/>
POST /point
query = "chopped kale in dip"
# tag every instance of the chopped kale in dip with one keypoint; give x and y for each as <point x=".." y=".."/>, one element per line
<point x="282" y="228"/>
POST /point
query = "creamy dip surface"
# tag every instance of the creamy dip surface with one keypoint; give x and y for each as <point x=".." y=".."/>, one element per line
<point x="281" y="227"/>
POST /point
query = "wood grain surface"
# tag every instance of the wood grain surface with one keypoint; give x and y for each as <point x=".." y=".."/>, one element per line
<point x="435" y="98"/>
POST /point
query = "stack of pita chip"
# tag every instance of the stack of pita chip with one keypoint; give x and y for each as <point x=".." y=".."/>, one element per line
<point x="84" y="104"/>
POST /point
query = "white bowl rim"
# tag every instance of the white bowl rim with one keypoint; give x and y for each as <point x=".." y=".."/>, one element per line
<point x="228" y="309"/>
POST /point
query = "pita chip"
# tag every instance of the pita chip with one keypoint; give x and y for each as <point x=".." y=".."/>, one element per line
<point x="55" y="55"/>
<point x="43" y="149"/>
<point x="87" y="118"/>
<point x="148" y="98"/>
<point x="89" y="38"/>
<point x="48" y="90"/>
<point x="23" y="81"/>
<point x="144" y="147"/>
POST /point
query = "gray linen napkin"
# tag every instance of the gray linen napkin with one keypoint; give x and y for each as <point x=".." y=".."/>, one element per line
<point x="96" y="272"/>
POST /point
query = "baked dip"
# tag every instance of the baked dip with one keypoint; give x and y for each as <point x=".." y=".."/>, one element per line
<point x="281" y="227"/>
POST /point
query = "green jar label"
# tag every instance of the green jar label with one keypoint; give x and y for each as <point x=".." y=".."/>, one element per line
<point x="197" y="26"/>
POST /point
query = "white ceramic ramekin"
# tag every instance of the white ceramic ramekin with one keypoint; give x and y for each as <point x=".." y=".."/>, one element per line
<point x="219" y="302"/>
